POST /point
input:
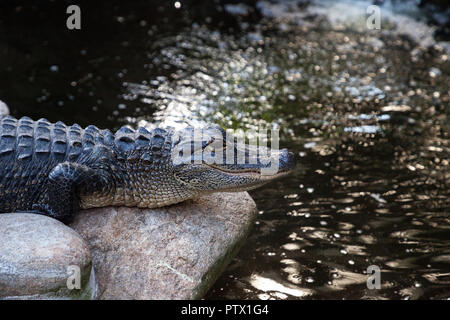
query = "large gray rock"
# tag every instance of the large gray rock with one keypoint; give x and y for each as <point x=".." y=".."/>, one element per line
<point x="175" y="252"/>
<point x="38" y="255"/>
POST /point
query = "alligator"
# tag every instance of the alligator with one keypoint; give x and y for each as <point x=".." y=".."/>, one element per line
<point x="55" y="169"/>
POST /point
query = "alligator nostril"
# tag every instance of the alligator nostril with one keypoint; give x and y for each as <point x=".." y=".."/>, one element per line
<point x="287" y="160"/>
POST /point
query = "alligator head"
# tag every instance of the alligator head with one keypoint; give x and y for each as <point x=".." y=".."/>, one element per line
<point x="210" y="160"/>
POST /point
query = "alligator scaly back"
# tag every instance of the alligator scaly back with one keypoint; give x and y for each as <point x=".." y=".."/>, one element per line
<point x="54" y="169"/>
<point x="30" y="150"/>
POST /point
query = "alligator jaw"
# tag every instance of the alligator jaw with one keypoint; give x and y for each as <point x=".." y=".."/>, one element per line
<point x="252" y="173"/>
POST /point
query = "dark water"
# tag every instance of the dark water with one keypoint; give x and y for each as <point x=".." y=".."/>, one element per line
<point x="366" y="111"/>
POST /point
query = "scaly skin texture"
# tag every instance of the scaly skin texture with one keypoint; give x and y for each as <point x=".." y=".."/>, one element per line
<point x="54" y="169"/>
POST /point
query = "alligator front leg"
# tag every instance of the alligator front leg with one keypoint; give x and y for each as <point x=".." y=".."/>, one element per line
<point x="60" y="200"/>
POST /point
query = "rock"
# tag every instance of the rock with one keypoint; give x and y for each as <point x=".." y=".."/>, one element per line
<point x="35" y="256"/>
<point x="4" y="110"/>
<point x="175" y="252"/>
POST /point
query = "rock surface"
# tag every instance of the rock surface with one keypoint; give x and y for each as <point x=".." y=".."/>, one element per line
<point x="37" y="254"/>
<point x="175" y="252"/>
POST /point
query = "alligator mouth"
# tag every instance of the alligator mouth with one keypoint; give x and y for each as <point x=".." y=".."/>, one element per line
<point x="259" y="179"/>
<point x="252" y="173"/>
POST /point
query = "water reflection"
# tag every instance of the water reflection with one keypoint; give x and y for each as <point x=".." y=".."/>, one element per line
<point x="270" y="285"/>
<point x="370" y="168"/>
